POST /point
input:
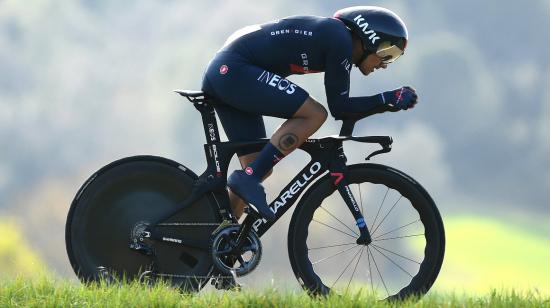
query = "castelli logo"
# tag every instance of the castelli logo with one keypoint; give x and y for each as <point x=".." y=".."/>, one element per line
<point x="248" y="170"/>
<point x="224" y="69"/>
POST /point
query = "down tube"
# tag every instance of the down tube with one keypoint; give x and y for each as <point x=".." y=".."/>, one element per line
<point x="289" y="195"/>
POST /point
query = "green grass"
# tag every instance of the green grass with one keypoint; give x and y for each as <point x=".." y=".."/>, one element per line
<point x="50" y="292"/>
<point x="482" y="254"/>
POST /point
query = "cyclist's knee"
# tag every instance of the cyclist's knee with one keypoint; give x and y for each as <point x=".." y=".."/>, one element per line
<point x="312" y="109"/>
<point x="319" y="113"/>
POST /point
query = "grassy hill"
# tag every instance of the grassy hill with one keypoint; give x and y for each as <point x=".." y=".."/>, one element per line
<point x="48" y="292"/>
<point x="16" y="256"/>
<point x="484" y="253"/>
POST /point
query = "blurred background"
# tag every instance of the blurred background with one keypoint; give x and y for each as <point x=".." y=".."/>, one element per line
<point x="83" y="83"/>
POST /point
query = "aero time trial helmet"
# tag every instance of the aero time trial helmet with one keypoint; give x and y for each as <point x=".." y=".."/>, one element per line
<point x="381" y="31"/>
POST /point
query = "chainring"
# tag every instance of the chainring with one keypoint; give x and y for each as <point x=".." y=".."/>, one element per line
<point x="231" y="262"/>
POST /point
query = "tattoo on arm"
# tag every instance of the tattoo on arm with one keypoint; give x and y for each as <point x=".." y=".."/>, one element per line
<point x="288" y="142"/>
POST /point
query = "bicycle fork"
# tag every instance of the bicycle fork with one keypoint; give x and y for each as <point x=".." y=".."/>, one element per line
<point x="338" y="172"/>
<point x="347" y="195"/>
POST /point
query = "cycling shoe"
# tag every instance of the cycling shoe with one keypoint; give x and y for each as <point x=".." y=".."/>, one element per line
<point x="251" y="191"/>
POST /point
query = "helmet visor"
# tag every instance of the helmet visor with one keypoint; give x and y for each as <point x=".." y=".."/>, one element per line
<point x="389" y="53"/>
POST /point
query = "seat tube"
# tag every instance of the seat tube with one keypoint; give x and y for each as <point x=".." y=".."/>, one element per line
<point x="209" y="123"/>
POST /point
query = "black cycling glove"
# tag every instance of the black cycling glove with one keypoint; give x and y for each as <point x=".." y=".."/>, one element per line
<point x="402" y="98"/>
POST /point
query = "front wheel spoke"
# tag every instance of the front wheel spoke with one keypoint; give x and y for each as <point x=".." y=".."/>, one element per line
<point x="383" y="219"/>
<point x="383" y="254"/>
<point x="380" y="208"/>
<point x="370" y="269"/>
<point x="333" y="228"/>
<point x="380" y="274"/>
<point x="334" y="255"/>
<point x="355" y="268"/>
<point x="346" y="268"/>
<point x="398" y="237"/>
<point x="379" y="236"/>
<point x="339" y="220"/>
<point x="329" y="246"/>
<point x="394" y="253"/>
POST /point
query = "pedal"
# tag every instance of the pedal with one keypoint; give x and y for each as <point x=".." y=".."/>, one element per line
<point x="227" y="283"/>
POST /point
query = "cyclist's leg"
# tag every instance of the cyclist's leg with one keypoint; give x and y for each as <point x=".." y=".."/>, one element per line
<point x="290" y="135"/>
<point x="294" y="131"/>
<point x="237" y="203"/>
<point x="255" y="91"/>
<point x="240" y="126"/>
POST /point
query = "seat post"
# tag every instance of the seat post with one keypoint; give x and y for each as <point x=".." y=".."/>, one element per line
<point x="209" y="123"/>
<point x="204" y="104"/>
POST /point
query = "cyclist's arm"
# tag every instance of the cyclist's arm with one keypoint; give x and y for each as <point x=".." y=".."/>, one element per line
<point x="337" y="83"/>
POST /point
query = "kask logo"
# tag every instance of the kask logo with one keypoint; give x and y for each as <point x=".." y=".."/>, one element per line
<point x="277" y="81"/>
<point x="363" y="24"/>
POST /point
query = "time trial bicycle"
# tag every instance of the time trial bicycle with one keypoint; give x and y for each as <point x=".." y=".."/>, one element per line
<point x="361" y="226"/>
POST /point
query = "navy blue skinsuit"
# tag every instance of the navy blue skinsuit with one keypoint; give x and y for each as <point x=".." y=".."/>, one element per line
<point x="248" y="73"/>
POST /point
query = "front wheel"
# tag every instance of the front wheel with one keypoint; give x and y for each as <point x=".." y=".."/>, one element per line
<point x="408" y="244"/>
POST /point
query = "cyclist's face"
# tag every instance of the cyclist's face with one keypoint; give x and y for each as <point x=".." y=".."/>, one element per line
<point x="371" y="63"/>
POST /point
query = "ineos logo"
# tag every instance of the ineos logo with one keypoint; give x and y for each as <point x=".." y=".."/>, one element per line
<point x="346" y="65"/>
<point x="277" y="81"/>
<point x="212" y="132"/>
<point x="364" y="25"/>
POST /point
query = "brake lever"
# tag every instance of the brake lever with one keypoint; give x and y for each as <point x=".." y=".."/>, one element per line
<point x="382" y="151"/>
<point x="385" y="149"/>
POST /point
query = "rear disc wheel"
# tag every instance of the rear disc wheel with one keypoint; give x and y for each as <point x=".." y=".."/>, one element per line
<point x="118" y="201"/>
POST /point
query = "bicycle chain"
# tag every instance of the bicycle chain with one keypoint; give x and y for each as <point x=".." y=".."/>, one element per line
<point x="193" y="224"/>
<point x="189" y="276"/>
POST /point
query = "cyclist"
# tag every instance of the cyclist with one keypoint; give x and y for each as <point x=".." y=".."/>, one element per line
<point x="248" y="75"/>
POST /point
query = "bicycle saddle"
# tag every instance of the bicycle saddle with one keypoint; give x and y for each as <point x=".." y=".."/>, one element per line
<point x="192" y="95"/>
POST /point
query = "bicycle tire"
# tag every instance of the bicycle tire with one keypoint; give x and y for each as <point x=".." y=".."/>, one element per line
<point x="120" y="195"/>
<point x="302" y="232"/>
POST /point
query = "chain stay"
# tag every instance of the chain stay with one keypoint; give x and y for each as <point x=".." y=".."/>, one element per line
<point x="204" y="224"/>
<point x="189" y="276"/>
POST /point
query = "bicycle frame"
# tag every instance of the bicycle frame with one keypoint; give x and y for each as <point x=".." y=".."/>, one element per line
<point x="327" y="155"/>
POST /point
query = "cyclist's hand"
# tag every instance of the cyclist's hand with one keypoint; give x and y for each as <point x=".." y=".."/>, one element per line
<point x="402" y="98"/>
